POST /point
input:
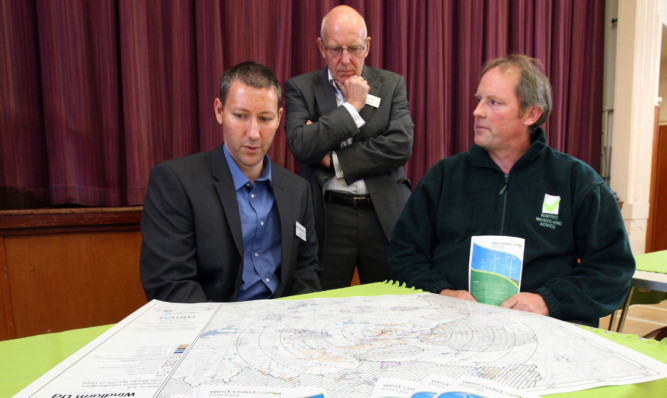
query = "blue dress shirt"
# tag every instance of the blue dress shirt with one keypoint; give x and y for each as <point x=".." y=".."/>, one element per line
<point x="260" y="225"/>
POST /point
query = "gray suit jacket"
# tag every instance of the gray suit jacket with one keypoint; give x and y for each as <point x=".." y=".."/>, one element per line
<point x="192" y="248"/>
<point x="379" y="150"/>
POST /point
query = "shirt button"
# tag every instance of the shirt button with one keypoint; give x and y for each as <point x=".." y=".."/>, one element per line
<point x="268" y="280"/>
<point x="256" y="254"/>
<point x="252" y="195"/>
<point x="261" y="223"/>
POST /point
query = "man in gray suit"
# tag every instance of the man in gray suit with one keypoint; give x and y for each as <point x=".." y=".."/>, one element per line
<point x="230" y="225"/>
<point x="349" y="126"/>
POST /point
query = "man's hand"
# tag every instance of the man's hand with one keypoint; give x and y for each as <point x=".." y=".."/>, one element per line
<point x="529" y="302"/>
<point x="459" y="294"/>
<point x="326" y="160"/>
<point x="355" y="89"/>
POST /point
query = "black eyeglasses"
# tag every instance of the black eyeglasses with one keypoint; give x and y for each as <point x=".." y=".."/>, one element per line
<point x="337" y="50"/>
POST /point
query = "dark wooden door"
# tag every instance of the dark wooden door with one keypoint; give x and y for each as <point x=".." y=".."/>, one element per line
<point x="657" y="234"/>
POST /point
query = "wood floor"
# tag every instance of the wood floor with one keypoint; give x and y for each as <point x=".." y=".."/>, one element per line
<point x="642" y="319"/>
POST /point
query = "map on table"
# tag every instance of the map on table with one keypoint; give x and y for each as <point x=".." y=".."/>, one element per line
<point x="338" y="346"/>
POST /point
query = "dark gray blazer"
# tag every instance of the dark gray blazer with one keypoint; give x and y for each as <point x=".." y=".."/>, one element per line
<point x="380" y="148"/>
<point x="192" y="248"/>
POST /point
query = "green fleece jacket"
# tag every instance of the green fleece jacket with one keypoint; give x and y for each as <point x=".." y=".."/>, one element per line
<point x="577" y="255"/>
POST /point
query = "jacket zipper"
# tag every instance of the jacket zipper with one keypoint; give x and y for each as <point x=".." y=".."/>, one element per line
<point x="503" y="193"/>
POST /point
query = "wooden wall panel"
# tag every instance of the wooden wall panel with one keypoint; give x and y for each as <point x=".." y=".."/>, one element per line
<point x="73" y="280"/>
<point x="6" y="319"/>
<point x="64" y="269"/>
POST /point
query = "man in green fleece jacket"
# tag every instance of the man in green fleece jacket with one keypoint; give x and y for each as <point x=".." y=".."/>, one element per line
<point x="577" y="262"/>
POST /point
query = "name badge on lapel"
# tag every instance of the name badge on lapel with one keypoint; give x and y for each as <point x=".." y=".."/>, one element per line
<point x="373" y="101"/>
<point x="300" y="231"/>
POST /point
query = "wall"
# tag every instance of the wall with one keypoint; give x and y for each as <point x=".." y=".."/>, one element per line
<point x="635" y="98"/>
<point x="64" y="269"/>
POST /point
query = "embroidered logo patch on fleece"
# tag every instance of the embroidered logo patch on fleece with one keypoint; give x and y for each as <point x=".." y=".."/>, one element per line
<point x="551" y="204"/>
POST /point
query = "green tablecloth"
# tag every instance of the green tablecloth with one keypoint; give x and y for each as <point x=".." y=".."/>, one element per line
<point x="26" y="359"/>
<point x="652" y="262"/>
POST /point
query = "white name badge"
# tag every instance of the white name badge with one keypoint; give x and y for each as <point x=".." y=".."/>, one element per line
<point x="373" y="101"/>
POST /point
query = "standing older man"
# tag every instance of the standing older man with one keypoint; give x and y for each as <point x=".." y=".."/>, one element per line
<point x="228" y="224"/>
<point x="577" y="258"/>
<point x="349" y="125"/>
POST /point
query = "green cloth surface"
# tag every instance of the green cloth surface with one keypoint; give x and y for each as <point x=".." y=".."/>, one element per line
<point x="652" y="262"/>
<point x="370" y="289"/>
<point x="24" y="360"/>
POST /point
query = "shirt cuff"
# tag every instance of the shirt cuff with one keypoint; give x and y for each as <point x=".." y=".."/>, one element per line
<point x="337" y="169"/>
<point x="355" y="115"/>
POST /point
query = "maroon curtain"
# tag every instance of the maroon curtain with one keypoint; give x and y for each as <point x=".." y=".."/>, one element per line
<point x="94" y="93"/>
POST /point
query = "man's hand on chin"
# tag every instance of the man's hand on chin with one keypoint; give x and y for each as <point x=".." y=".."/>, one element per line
<point x="355" y="90"/>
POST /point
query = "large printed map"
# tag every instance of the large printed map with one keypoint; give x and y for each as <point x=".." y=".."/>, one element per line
<point x="342" y="346"/>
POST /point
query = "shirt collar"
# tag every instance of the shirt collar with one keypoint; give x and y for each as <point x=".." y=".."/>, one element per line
<point x="240" y="179"/>
<point x="331" y="80"/>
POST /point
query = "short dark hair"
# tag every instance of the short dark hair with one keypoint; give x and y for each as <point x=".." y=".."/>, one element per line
<point x="251" y="74"/>
<point x="533" y="88"/>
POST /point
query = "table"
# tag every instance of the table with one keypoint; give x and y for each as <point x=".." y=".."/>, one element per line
<point x="651" y="274"/>
<point x="26" y="359"/>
